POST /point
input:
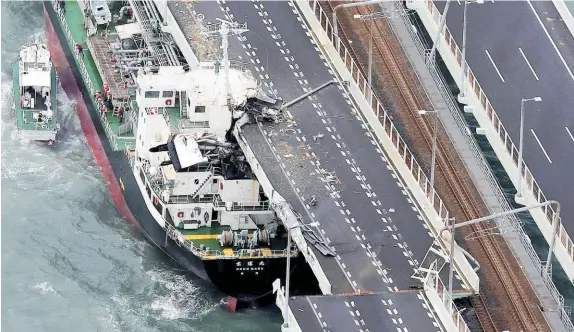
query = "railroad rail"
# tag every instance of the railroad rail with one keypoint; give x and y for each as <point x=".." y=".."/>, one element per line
<point x="513" y="289"/>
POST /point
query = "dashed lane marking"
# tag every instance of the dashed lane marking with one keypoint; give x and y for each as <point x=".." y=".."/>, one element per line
<point x="540" y="144"/>
<point x="494" y="65"/>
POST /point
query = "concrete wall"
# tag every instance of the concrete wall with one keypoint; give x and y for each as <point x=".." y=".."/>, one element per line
<point x="565" y="13"/>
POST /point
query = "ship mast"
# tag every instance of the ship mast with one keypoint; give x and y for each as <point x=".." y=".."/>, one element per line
<point x="228" y="29"/>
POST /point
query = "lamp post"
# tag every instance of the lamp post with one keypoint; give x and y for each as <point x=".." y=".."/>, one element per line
<point x="519" y="198"/>
<point x="286" y="295"/>
<point x="349" y="5"/>
<point x="434" y="143"/>
<point x="556" y="224"/>
<point x="369" y="17"/>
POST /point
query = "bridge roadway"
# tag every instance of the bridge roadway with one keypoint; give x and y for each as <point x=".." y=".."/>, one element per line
<point x="368" y="216"/>
<point x="317" y="313"/>
<point x="531" y="54"/>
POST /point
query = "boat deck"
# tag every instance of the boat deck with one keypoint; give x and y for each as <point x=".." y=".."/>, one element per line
<point x="207" y="236"/>
<point x="75" y="21"/>
<point x="25" y="117"/>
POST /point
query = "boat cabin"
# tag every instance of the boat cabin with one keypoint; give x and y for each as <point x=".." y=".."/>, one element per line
<point x="34" y="82"/>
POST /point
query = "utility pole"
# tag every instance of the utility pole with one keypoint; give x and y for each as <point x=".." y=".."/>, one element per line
<point x="519" y="198"/>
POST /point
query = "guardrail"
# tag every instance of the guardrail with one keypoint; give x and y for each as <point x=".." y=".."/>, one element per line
<point x="483" y="163"/>
<point x="85" y="76"/>
<point x="434" y="282"/>
<point x="511" y="149"/>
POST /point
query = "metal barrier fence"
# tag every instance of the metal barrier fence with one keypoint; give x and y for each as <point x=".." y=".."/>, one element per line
<point x="487" y="171"/>
<point x="531" y="183"/>
<point x="433" y="281"/>
<point x="391" y="132"/>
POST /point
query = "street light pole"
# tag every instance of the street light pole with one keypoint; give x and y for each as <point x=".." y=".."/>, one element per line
<point x="451" y="265"/>
<point x="439" y="33"/>
<point x="288" y="272"/>
<point x="463" y="74"/>
<point x="519" y="198"/>
<point x="555" y="228"/>
<point x="434" y="148"/>
<point x="370" y="54"/>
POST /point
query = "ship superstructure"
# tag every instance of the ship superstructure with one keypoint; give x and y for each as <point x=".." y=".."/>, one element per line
<point x="188" y="184"/>
<point x="35" y="94"/>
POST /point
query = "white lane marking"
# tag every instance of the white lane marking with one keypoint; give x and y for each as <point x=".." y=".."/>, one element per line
<point x="537" y="140"/>
<point x="528" y="63"/>
<point x="313" y="307"/>
<point x="493" y="64"/>
<point x="551" y="41"/>
<point x="569" y="133"/>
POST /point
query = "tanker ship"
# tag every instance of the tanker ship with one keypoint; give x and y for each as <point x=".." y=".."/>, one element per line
<point x="161" y="129"/>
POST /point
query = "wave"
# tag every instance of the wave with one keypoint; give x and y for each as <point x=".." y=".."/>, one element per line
<point x="181" y="299"/>
<point x="44" y="288"/>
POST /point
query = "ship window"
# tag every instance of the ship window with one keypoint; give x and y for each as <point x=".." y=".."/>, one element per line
<point x="215" y="180"/>
<point x="214" y="215"/>
<point x="199" y="109"/>
<point x="167" y="94"/>
<point x="196" y="181"/>
<point x="152" y="94"/>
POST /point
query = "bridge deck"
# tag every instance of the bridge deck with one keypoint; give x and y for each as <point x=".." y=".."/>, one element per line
<point x="389" y="312"/>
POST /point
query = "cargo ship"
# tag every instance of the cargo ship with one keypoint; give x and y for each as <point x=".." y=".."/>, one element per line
<point x="161" y="129"/>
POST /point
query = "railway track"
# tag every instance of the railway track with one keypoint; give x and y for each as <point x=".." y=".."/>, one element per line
<point x="491" y="252"/>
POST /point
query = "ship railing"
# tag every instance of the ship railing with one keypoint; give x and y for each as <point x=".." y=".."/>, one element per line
<point x="242" y="206"/>
<point x="180" y="239"/>
<point x="85" y="75"/>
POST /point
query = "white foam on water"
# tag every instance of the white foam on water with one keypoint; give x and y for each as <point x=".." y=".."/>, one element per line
<point x="183" y="299"/>
<point x="44" y="288"/>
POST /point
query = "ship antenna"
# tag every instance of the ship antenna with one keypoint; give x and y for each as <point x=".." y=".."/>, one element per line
<point x="228" y="29"/>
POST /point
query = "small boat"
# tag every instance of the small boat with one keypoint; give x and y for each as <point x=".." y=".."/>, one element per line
<point x="35" y="94"/>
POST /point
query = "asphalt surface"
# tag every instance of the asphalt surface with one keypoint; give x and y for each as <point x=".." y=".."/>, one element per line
<point x="530" y="66"/>
<point x="362" y="312"/>
<point x="366" y="215"/>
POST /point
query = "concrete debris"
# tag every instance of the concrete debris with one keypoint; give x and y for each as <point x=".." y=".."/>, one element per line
<point x="313" y="201"/>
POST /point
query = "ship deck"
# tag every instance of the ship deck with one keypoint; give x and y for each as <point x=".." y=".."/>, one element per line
<point x="25" y="117"/>
<point x="75" y="21"/>
<point x="207" y="236"/>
